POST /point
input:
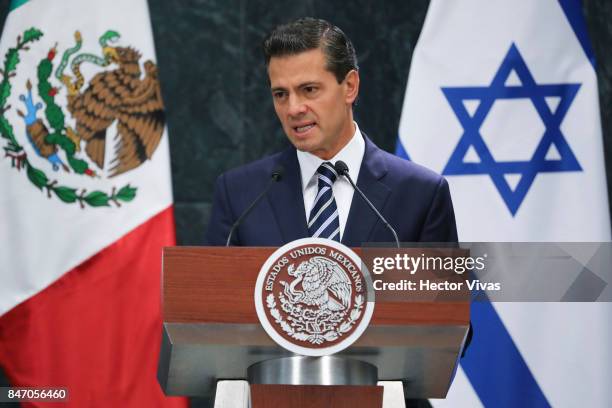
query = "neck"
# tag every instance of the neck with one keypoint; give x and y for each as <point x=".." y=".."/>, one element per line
<point x="345" y="137"/>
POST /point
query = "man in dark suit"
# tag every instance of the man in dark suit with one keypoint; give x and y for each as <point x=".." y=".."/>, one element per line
<point x="314" y="79"/>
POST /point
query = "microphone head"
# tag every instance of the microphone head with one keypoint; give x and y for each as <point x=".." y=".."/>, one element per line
<point x="341" y="167"/>
<point x="278" y="172"/>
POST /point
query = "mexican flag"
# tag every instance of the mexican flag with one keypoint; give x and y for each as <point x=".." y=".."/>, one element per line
<point x="86" y="202"/>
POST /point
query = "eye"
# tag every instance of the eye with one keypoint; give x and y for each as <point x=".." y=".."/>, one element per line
<point x="279" y="95"/>
<point x="310" y="89"/>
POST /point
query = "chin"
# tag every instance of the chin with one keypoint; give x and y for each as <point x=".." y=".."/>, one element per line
<point x="303" y="145"/>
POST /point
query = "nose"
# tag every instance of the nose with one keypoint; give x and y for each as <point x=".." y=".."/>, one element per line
<point x="296" y="106"/>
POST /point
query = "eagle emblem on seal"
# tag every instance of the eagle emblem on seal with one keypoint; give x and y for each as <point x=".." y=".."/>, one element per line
<point x="313" y="296"/>
<point x="318" y="301"/>
<point x="323" y="282"/>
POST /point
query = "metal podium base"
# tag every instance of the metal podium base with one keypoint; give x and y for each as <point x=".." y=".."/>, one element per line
<point x="313" y="371"/>
<point x="194" y="356"/>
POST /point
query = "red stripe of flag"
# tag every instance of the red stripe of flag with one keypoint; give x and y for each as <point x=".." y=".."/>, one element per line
<point x="97" y="329"/>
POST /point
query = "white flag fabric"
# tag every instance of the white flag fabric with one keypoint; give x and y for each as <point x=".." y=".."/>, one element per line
<point x="502" y="100"/>
<point x="86" y="202"/>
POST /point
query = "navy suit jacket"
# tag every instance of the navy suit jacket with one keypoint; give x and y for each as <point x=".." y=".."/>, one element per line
<point x="414" y="200"/>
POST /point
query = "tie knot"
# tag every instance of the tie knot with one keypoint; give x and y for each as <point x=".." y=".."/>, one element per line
<point x="327" y="173"/>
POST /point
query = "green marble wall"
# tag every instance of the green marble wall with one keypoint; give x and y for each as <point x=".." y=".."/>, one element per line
<point x="598" y="14"/>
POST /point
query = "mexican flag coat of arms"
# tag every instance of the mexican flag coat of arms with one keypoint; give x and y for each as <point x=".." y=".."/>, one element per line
<point x="86" y="202"/>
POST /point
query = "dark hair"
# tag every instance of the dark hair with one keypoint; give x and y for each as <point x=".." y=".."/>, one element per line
<point x="308" y="34"/>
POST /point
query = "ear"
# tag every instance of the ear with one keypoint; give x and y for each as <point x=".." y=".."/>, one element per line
<point x="351" y="83"/>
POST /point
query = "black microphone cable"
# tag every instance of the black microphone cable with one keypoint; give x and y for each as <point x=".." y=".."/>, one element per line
<point x="342" y="169"/>
<point x="277" y="175"/>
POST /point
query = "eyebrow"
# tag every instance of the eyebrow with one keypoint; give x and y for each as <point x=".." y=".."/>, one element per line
<point x="302" y="85"/>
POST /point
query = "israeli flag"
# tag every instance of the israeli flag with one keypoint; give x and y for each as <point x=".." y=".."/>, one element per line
<point x="502" y="100"/>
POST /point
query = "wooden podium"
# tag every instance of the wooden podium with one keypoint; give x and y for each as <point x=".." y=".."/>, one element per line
<point x="211" y="332"/>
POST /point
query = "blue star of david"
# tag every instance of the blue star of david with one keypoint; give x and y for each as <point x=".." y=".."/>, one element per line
<point x="552" y="119"/>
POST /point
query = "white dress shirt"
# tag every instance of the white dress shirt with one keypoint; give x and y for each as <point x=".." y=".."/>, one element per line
<point x="352" y="155"/>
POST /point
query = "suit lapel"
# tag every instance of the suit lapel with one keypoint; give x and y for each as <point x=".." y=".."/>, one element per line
<point x="361" y="219"/>
<point x="287" y="200"/>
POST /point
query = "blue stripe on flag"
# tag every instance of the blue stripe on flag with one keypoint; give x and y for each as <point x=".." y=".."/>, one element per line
<point x="400" y="151"/>
<point x="495" y="366"/>
<point x="573" y="12"/>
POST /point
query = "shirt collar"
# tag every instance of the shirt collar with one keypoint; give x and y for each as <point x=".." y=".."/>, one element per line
<point x="351" y="154"/>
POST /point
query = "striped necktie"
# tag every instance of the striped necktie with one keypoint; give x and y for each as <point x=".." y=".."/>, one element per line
<point x="323" y="221"/>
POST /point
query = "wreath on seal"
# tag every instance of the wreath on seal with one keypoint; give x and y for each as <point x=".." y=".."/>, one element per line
<point x="329" y="335"/>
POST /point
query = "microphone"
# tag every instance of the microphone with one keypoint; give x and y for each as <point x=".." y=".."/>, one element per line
<point x="342" y="169"/>
<point x="276" y="175"/>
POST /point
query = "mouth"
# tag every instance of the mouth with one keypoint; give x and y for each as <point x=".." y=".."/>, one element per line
<point x="303" y="128"/>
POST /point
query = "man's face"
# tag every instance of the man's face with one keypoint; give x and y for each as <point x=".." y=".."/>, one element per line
<point x="314" y="109"/>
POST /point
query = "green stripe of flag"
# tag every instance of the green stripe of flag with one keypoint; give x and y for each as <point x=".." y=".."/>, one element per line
<point x="17" y="3"/>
